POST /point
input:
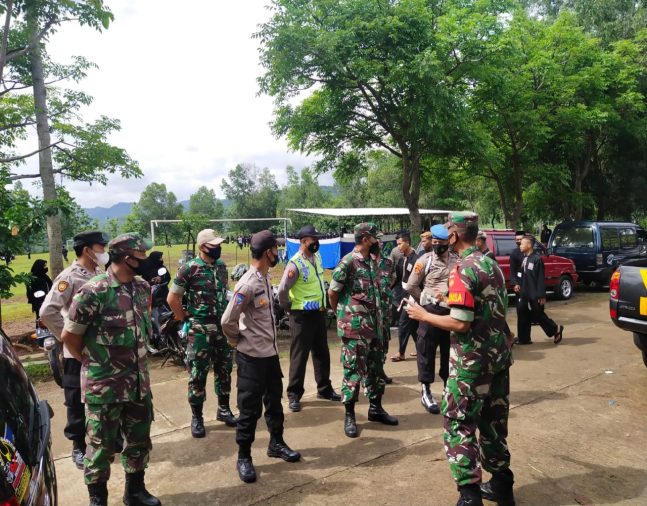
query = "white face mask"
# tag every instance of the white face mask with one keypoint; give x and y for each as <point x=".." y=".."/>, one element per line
<point x="101" y="259"/>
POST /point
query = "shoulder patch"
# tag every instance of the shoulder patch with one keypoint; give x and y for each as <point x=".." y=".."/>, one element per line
<point x="62" y="286"/>
<point x="290" y="274"/>
<point x="239" y="298"/>
<point x="418" y="268"/>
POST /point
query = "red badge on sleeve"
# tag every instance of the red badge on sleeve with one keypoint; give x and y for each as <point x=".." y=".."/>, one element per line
<point x="459" y="294"/>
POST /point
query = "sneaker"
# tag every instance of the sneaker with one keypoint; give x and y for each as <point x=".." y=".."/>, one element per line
<point x="428" y="401"/>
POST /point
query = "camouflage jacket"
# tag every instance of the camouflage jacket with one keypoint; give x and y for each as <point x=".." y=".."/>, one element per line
<point x="205" y="287"/>
<point x="359" y="314"/>
<point x="386" y="277"/>
<point x="115" y="322"/>
<point x="477" y="294"/>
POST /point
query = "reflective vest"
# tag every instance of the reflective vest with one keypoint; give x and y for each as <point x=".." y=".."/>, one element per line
<point x="308" y="293"/>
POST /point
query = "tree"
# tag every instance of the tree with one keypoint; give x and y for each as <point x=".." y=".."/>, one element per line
<point x="112" y="227"/>
<point x="253" y="194"/>
<point x="81" y="151"/>
<point x="379" y="74"/>
<point x="74" y="219"/>
<point x="204" y="203"/>
<point x="155" y="203"/>
<point x="303" y="190"/>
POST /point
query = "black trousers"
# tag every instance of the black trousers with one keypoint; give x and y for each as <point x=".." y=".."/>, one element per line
<point x="428" y="341"/>
<point x="406" y="327"/>
<point x="75" y="426"/>
<point x="529" y="312"/>
<point x="309" y="333"/>
<point x="259" y="384"/>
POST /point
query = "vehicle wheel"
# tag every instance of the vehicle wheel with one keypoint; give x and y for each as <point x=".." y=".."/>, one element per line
<point x="564" y="288"/>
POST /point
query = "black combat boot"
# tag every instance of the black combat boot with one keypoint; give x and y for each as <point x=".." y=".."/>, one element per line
<point x="376" y="413"/>
<point x="197" y="422"/>
<point x="135" y="493"/>
<point x="350" y="425"/>
<point x="98" y="494"/>
<point x="245" y="466"/>
<point x="279" y="449"/>
<point x="499" y="488"/>
<point x="224" y="414"/>
<point x="470" y="496"/>
<point x="78" y="452"/>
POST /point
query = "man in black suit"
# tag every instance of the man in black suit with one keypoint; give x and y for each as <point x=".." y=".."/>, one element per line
<point x="531" y="297"/>
<point x="516" y="257"/>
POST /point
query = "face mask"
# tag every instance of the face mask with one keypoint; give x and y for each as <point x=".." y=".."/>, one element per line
<point x="274" y="260"/>
<point x="374" y="249"/>
<point x="518" y="243"/>
<point x="214" y="253"/>
<point x="45" y="270"/>
<point x="101" y="259"/>
<point x="142" y="266"/>
<point x="440" y="249"/>
<point x="313" y="247"/>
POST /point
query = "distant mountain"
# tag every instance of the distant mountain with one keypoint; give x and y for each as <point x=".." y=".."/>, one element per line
<point x="119" y="211"/>
<point x="123" y="209"/>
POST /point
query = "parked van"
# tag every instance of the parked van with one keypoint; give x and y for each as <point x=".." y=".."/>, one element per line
<point x="597" y="247"/>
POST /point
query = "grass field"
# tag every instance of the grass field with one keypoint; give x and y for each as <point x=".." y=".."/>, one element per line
<point x="17" y="309"/>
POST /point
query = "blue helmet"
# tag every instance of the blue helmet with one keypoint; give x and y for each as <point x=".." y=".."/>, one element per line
<point x="439" y="232"/>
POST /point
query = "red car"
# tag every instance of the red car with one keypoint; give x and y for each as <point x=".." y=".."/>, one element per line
<point x="560" y="274"/>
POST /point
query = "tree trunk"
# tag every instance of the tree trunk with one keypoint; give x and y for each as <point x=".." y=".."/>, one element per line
<point x="45" y="160"/>
<point x="411" y="190"/>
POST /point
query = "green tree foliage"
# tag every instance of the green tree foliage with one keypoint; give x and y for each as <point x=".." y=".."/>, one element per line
<point x="155" y="203"/>
<point x="380" y="74"/>
<point x="204" y="203"/>
<point x="253" y="193"/>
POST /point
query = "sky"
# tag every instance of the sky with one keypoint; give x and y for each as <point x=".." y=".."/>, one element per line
<point x="181" y="78"/>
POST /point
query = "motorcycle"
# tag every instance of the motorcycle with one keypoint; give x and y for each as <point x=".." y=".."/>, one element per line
<point x="53" y="347"/>
<point x="167" y="341"/>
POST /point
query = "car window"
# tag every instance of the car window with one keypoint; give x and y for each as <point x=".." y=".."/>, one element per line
<point x="641" y="235"/>
<point x="610" y="238"/>
<point x="573" y="237"/>
<point x="628" y="238"/>
<point x="505" y="245"/>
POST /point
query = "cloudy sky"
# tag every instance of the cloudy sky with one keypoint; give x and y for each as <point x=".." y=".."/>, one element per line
<point x="181" y="77"/>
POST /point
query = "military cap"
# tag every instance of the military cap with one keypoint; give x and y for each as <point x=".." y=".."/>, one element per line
<point x="263" y="240"/>
<point x="439" y="232"/>
<point x="308" y="231"/>
<point x="130" y="241"/>
<point x="462" y="219"/>
<point x="208" y="236"/>
<point x="90" y="237"/>
<point x="366" y="228"/>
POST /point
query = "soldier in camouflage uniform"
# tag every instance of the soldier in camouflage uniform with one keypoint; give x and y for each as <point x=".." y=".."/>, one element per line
<point x="477" y="392"/>
<point x="355" y="294"/>
<point x="386" y="278"/>
<point x="203" y="281"/>
<point x="106" y="329"/>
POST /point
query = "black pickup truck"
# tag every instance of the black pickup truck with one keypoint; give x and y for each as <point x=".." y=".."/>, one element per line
<point x="628" y="300"/>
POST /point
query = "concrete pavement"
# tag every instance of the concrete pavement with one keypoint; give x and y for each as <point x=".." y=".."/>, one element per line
<point x="577" y="433"/>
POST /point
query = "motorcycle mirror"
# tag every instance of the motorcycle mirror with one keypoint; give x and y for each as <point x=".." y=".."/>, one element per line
<point x="161" y="271"/>
<point x="39" y="294"/>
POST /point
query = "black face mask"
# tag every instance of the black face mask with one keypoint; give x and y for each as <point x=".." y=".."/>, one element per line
<point x="275" y="260"/>
<point x="313" y="247"/>
<point x="518" y="243"/>
<point x="374" y="249"/>
<point x="214" y="253"/>
<point x="440" y="249"/>
<point x="143" y="266"/>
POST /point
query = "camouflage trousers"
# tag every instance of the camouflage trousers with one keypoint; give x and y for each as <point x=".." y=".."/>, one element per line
<point x="102" y="425"/>
<point x="362" y="362"/>
<point x="206" y="347"/>
<point x="469" y="404"/>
